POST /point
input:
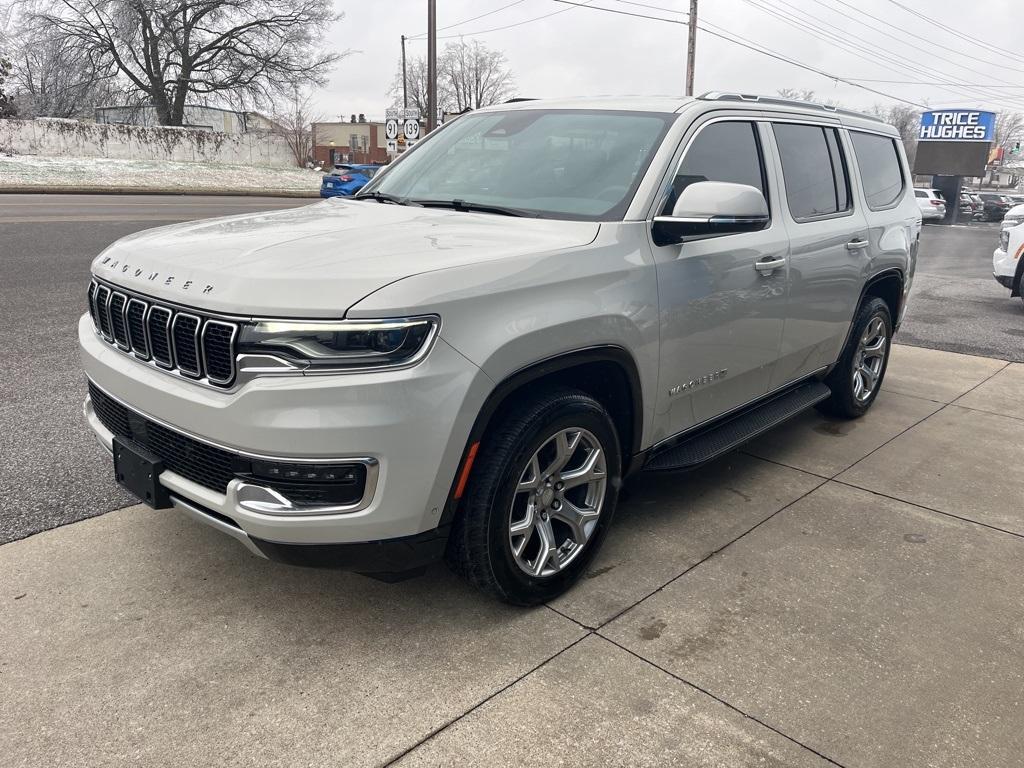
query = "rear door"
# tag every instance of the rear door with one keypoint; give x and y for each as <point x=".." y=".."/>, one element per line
<point x="829" y="249"/>
<point x="721" y="318"/>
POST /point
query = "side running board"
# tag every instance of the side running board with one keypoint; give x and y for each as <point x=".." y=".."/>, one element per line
<point x="722" y="437"/>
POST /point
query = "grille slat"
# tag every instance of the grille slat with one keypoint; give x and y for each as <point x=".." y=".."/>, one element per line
<point x="185" y="334"/>
<point x="190" y="344"/>
<point x="218" y="356"/>
<point x="103" y="310"/>
<point x="117" y="323"/>
<point x="159" y="324"/>
<point x="135" y="316"/>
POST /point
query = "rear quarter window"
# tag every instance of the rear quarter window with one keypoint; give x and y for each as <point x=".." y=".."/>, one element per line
<point x="881" y="172"/>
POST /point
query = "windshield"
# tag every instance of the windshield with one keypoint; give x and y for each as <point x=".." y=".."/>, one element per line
<point x="562" y="164"/>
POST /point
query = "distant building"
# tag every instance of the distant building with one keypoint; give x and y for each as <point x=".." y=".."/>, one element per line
<point x="197" y="117"/>
<point x="359" y="141"/>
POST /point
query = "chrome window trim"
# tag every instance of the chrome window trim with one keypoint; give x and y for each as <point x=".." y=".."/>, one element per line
<point x="232" y="359"/>
<point x="198" y="373"/>
<point x="145" y="328"/>
<point x="167" y="365"/>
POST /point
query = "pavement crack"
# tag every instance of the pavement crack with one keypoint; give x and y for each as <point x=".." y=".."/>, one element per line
<point x="722" y="701"/>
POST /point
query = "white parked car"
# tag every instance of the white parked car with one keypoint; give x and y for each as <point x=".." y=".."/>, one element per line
<point x="1008" y="258"/>
<point x="932" y="204"/>
<point x="1013" y="217"/>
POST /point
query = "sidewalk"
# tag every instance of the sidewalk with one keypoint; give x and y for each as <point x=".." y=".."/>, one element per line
<point x="845" y="593"/>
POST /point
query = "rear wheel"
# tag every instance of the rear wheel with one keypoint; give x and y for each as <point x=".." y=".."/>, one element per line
<point x="540" y="499"/>
<point x="857" y="376"/>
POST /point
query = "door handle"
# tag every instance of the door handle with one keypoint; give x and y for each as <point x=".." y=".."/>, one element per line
<point x="767" y="266"/>
<point x="856" y="245"/>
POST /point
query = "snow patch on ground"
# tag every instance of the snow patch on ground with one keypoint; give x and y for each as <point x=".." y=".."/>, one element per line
<point x="70" y="173"/>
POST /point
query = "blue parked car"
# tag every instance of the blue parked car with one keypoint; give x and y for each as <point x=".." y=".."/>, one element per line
<point x="346" y="180"/>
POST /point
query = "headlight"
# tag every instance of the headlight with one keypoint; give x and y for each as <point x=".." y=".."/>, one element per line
<point x="341" y="345"/>
<point x="1011" y="221"/>
<point x="1004" y="240"/>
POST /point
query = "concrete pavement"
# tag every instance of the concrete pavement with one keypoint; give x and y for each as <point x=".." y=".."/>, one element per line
<point x="839" y="593"/>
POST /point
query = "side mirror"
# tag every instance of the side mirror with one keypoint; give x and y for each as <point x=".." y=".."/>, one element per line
<point x="711" y="209"/>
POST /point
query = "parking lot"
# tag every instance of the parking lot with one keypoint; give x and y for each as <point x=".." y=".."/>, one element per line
<point x="836" y="593"/>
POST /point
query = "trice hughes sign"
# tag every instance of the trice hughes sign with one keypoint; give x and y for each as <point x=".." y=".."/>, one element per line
<point x="957" y="125"/>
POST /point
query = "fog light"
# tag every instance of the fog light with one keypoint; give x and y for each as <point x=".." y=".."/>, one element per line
<point x="338" y="474"/>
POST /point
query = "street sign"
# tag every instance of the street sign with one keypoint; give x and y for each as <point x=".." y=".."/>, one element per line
<point x="392" y="145"/>
<point x="957" y="125"/>
<point x="411" y="129"/>
<point x="391" y="129"/>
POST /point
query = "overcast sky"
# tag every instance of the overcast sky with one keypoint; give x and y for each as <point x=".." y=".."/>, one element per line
<point x="579" y="51"/>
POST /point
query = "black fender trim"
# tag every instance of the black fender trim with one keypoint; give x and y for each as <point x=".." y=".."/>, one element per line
<point x="1018" y="278"/>
<point x="564" y="361"/>
<point x="864" y="292"/>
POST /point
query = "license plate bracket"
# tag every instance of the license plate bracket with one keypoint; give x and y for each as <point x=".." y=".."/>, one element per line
<point x="138" y="471"/>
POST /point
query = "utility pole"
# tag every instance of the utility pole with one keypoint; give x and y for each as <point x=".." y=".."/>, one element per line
<point x="691" y="47"/>
<point x="431" y="64"/>
<point x="405" y="79"/>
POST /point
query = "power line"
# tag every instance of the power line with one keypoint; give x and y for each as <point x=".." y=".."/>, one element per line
<point x="473" y="18"/>
<point x="498" y="29"/>
<point x="841" y="40"/>
<point x="958" y="33"/>
<point x="935" y="82"/>
<point x="930" y="51"/>
<point x="732" y="37"/>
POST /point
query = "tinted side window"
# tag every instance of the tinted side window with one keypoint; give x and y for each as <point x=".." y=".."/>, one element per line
<point x="880" y="169"/>
<point x="721" y="152"/>
<point x="814" y="170"/>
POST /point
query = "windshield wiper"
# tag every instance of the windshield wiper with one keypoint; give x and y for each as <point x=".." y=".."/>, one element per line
<point x="383" y="197"/>
<point x="463" y="205"/>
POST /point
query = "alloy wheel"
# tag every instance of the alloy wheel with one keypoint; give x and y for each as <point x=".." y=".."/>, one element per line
<point x="869" y="359"/>
<point x="557" y="502"/>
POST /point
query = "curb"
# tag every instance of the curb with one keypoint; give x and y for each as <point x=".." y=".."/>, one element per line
<point x="99" y="190"/>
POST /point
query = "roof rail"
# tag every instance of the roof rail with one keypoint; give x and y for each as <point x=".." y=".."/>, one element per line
<point x="517" y="99"/>
<point x="781" y="102"/>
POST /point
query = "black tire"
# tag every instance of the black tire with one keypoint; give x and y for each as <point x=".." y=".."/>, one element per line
<point x="479" y="547"/>
<point x="844" y="403"/>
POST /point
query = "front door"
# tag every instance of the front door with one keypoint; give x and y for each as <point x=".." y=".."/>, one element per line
<point x="721" y="318"/>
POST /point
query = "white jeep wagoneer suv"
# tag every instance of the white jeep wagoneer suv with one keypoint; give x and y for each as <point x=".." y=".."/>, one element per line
<point x="537" y="301"/>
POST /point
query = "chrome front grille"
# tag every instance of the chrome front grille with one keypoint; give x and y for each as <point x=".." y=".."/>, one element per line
<point x="188" y="343"/>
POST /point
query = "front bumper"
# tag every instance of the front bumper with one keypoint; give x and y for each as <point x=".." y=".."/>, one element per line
<point x="1004" y="268"/>
<point x="413" y="424"/>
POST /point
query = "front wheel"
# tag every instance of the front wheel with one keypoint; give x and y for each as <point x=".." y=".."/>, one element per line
<point x="540" y="499"/>
<point x="857" y="376"/>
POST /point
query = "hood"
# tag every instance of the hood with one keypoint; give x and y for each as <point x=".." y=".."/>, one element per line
<point x="318" y="260"/>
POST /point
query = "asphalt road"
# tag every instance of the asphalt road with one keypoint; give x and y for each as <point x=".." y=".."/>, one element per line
<point x="52" y="472"/>
<point x="955" y="304"/>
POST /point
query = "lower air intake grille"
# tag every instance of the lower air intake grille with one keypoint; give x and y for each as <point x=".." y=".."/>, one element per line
<point x="201" y="463"/>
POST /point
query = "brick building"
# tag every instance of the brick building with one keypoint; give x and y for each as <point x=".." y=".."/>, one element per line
<point x="352" y="142"/>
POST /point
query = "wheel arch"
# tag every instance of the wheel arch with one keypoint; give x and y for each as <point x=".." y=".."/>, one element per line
<point x="608" y="373"/>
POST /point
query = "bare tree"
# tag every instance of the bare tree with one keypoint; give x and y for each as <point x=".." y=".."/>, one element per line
<point x="416" y="87"/>
<point x="241" y="51"/>
<point x="477" y="75"/>
<point x="7" y="108"/>
<point x="469" y="76"/>
<point x="54" y="77"/>
<point x="294" y="124"/>
<point x="906" y="119"/>
<point x="1009" y="129"/>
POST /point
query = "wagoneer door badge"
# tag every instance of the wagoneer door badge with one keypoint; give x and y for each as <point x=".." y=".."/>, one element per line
<point x="700" y="381"/>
